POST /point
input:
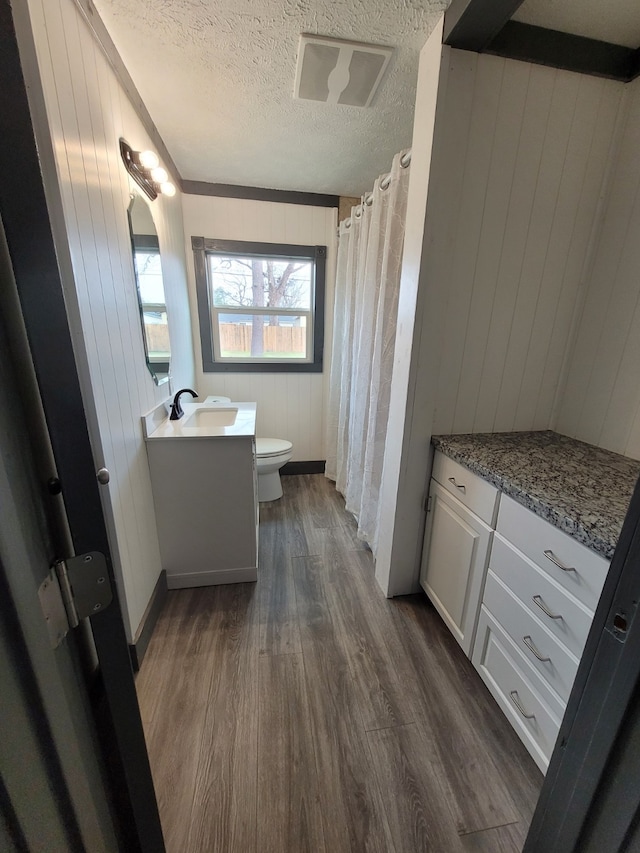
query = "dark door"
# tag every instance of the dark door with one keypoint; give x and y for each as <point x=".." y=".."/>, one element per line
<point x="33" y="263"/>
<point x="53" y="795"/>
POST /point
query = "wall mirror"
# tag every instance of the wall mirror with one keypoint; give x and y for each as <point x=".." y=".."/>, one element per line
<point x="150" y="288"/>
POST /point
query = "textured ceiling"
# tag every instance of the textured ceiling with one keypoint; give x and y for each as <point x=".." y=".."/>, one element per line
<point x="217" y="77"/>
<point x="615" y="21"/>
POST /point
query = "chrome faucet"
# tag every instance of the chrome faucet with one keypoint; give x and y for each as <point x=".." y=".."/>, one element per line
<point x="176" y="408"/>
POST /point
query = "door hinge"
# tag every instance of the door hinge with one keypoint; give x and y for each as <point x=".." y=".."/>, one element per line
<point x="427" y="504"/>
<point x="74" y="589"/>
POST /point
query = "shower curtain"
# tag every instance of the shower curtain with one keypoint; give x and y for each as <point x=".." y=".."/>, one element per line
<point x="365" y="310"/>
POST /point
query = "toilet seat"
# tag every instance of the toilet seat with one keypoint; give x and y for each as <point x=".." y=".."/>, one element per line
<point x="266" y="447"/>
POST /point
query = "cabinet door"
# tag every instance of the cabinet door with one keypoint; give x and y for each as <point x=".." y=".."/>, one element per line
<point x="454" y="563"/>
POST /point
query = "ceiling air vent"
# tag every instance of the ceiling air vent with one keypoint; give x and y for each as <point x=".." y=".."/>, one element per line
<point x="339" y="72"/>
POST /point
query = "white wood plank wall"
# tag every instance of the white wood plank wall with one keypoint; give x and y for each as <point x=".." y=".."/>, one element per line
<point x="521" y="156"/>
<point x="290" y="406"/>
<point x="88" y="112"/>
<point x="601" y="400"/>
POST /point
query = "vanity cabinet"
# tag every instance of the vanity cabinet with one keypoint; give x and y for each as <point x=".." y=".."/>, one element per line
<point x="458" y="537"/>
<point x="529" y="588"/>
<point x="541" y="592"/>
<point x="205" y="498"/>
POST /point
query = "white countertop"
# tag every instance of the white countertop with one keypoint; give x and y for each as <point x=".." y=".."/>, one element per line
<point x="244" y="426"/>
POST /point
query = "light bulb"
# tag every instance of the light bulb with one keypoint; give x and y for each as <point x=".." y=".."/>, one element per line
<point x="148" y="159"/>
<point x="167" y="188"/>
<point x="159" y="175"/>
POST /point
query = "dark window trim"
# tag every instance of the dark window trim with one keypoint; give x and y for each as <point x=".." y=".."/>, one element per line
<point x="201" y="246"/>
<point x="146" y="243"/>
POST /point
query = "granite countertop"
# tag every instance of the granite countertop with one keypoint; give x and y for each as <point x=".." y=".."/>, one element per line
<point x="581" y="489"/>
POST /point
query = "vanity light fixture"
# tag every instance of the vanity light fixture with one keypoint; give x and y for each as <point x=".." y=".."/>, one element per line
<point x="144" y="167"/>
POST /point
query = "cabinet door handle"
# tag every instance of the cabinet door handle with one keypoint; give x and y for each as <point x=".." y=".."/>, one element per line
<point x="556" y="562"/>
<point x="529" y="644"/>
<point x="457" y="485"/>
<point x="537" y="599"/>
<point x="516" y="701"/>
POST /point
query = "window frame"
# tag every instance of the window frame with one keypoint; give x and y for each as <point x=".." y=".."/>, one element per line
<point x="203" y="246"/>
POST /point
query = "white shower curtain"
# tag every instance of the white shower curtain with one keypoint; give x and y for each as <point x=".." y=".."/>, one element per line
<point x="365" y="311"/>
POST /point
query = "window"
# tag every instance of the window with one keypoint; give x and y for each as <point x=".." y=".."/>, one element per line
<point x="260" y="305"/>
<point x="153" y="310"/>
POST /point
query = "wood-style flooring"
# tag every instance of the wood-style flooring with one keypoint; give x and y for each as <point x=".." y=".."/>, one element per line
<point x="306" y="713"/>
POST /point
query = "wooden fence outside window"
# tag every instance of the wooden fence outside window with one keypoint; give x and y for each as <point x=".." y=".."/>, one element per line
<point x="236" y="337"/>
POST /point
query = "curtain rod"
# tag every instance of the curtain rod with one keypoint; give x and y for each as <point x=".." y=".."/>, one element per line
<point x="404" y="162"/>
<point x="367" y="199"/>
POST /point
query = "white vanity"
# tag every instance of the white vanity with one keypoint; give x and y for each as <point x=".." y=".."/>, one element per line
<point x="520" y="531"/>
<point x="204" y="482"/>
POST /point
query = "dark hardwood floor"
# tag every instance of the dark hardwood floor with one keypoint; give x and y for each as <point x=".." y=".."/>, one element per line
<point x="306" y="713"/>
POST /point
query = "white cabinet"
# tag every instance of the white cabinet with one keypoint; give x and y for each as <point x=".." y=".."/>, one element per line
<point x="205" y="497"/>
<point x="541" y="591"/>
<point x="475" y="493"/>
<point x="533" y="710"/>
<point x="456" y="548"/>
<point x="578" y="569"/>
<point x="517" y="593"/>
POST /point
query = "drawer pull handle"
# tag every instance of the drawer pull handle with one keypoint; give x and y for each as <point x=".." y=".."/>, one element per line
<point x="556" y="562"/>
<point x="457" y="485"/>
<point x="516" y="701"/>
<point x="529" y="644"/>
<point x="537" y="599"/>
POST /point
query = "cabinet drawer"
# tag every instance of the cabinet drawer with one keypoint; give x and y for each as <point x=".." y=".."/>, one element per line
<point x="556" y="665"/>
<point x="541" y="542"/>
<point x="532" y="710"/>
<point x="474" y="492"/>
<point x="567" y="618"/>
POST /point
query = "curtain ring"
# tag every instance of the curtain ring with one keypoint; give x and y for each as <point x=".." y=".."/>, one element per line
<point x="405" y="160"/>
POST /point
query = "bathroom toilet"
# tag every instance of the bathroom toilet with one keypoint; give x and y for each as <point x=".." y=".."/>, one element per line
<point x="271" y="455"/>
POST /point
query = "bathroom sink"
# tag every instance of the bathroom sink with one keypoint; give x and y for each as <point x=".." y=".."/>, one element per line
<point x="218" y="416"/>
<point x="202" y="420"/>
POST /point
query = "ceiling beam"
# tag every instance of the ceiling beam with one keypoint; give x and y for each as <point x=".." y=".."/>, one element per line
<point x="259" y="194"/>
<point x="563" y="50"/>
<point x="472" y="24"/>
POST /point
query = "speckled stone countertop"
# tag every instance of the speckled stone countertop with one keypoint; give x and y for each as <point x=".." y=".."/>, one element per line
<point x="581" y="489"/>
